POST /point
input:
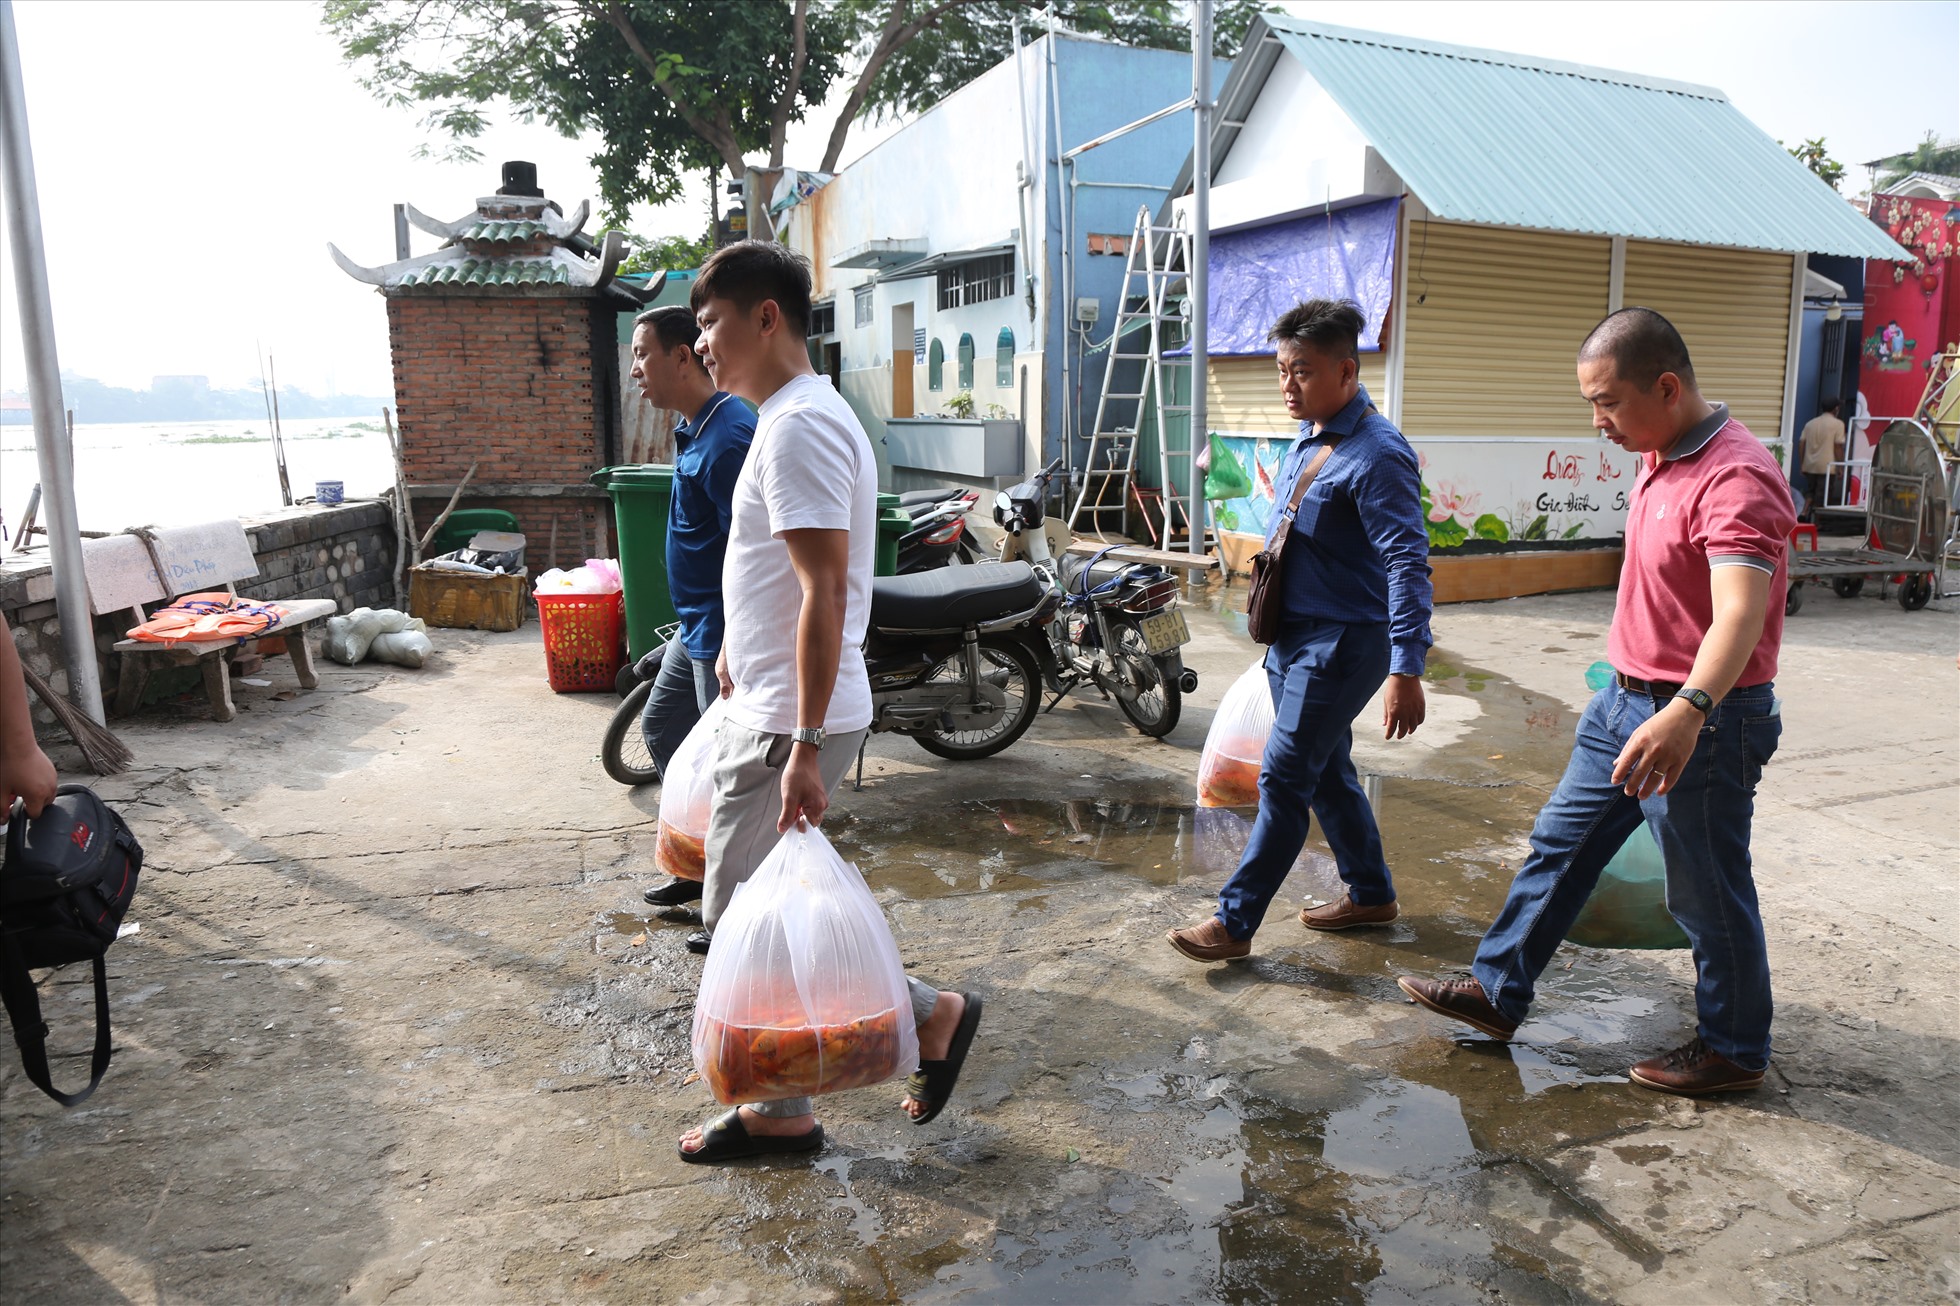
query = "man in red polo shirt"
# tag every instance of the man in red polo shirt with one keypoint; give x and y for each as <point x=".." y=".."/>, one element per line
<point x="1681" y="736"/>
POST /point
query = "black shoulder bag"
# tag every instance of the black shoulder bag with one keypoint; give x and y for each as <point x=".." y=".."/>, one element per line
<point x="65" y="886"/>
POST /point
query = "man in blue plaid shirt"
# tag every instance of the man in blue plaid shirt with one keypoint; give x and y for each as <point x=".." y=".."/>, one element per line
<point x="1355" y="604"/>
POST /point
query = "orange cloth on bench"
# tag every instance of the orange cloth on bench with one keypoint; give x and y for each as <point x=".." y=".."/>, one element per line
<point x="215" y="615"/>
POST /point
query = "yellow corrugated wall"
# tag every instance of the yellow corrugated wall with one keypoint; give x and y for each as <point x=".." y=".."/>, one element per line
<point x="1732" y="306"/>
<point x="1242" y="394"/>
<point x="1493" y="344"/>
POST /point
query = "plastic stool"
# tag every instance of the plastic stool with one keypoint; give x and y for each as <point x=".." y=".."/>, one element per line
<point x="1804" y="529"/>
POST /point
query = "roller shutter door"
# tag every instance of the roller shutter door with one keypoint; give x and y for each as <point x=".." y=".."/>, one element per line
<point x="1242" y="394"/>
<point x="1493" y="344"/>
<point x="1732" y="306"/>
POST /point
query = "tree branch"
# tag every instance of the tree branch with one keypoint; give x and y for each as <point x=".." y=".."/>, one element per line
<point x="786" y="102"/>
<point x="717" y="134"/>
<point x="898" y="30"/>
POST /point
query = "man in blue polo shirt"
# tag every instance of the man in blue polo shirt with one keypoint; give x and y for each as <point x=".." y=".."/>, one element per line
<point x="1355" y="601"/>
<point x="710" y="446"/>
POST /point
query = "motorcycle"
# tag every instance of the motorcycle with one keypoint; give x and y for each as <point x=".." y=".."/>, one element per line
<point x="956" y="658"/>
<point x="938" y="536"/>
<point x="1120" y="627"/>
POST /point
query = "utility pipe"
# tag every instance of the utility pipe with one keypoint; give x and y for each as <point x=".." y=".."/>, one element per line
<point x="51" y="445"/>
<point x="1201" y="112"/>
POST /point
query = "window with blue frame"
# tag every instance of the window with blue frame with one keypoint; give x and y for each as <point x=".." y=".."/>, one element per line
<point x="1004" y="358"/>
<point x="966" y="361"/>
<point x="936" y="366"/>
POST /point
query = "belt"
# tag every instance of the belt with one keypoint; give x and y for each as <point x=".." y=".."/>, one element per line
<point x="1660" y="689"/>
<point x="1655" y="689"/>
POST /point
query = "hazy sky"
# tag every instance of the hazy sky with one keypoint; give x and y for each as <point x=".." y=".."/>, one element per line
<point x="194" y="159"/>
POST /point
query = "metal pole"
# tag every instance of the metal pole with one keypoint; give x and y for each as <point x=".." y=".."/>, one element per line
<point x="51" y="445"/>
<point x="1201" y="111"/>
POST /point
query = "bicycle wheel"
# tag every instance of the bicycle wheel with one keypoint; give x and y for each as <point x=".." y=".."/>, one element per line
<point x="624" y="753"/>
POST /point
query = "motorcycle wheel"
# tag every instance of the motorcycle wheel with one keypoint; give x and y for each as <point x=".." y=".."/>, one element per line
<point x="1021" y="680"/>
<point x="625" y="752"/>
<point x="1155" y="709"/>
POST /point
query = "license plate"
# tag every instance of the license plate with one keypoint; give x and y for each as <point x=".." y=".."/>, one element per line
<point x="1165" y="631"/>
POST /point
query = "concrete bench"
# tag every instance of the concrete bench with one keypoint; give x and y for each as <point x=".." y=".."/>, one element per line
<point x="210" y="656"/>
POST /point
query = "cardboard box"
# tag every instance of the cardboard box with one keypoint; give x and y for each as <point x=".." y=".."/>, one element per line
<point x="465" y="600"/>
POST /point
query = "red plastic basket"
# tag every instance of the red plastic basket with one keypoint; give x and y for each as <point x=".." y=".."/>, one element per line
<point x="583" y="640"/>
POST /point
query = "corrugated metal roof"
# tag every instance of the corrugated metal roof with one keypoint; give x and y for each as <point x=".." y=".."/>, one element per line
<point x="487" y="272"/>
<point x="506" y="231"/>
<point x="1485" y="136"/>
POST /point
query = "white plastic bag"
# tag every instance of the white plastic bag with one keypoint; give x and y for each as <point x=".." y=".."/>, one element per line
<point x="350" y="637"/>
<point x="409" y="647"/>
<point x="803" y="992"/>
<point x="687" y="795"/>
<point x="1228" y="769"/>
<point x="597" y="576"/>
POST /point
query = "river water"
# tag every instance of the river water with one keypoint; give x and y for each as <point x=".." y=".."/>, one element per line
<point x="179" y="473"/>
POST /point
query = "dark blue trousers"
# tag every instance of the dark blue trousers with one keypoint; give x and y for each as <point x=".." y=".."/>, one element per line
<point x="1322" y="674"/>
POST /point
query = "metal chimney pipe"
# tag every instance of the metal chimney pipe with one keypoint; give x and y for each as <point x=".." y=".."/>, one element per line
<point x="51" y="446"/>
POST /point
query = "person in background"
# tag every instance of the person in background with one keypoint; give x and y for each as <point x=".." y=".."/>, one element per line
<point x="798" y="596"/>
<point x="25" y="771"/>
<point x="1681" y="736"/>
<point x="1820" y="445"/>
<point x="1356" y="599"/>
<point x="710" y="446"/>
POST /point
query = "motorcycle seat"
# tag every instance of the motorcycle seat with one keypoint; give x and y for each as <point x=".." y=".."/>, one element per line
<point x="947" y="597"/>
<point x="916" y="498"/>
<point x="1101" y="571"/>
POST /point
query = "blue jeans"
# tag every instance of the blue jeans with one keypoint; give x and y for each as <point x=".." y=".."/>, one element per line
<point x="682" y="690"/>
<point x="1322" y="674"/>
<point x="1702" y="825"/>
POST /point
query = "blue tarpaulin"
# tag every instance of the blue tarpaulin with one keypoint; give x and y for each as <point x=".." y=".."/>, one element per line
<point x="1257" y="275"/>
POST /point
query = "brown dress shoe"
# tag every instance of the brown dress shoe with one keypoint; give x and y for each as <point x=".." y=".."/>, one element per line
<point x="1346" y="914"/>
<point x="1693" y="1070"/>
<point x="1462" y="1000"/>
<point x="1209" y="942"/>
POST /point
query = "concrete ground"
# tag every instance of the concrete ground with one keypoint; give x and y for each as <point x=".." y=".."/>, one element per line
<point x="397" y="1025"/>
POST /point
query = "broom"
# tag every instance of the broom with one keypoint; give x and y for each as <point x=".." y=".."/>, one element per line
<point x="104" y="753"/>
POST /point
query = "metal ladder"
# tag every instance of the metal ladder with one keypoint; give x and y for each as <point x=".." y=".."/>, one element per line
<point x="1158" y="258"/>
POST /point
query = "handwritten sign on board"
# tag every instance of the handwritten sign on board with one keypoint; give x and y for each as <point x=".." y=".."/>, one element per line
<point x="207" y="556"/>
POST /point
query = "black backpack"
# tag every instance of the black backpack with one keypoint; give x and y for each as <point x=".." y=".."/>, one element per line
<point x="65" y="884"/>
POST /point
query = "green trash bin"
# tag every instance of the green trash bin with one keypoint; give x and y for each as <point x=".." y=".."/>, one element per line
<point x="464" y="523"/>
<point x="642" y="496"/>
<point x="893" y="523"/>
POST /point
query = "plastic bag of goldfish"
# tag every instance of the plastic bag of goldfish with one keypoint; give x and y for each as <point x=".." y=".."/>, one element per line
<point x="1228" y="769"/>
<point x="687" y="792"/>
<point x="803" y="992"/>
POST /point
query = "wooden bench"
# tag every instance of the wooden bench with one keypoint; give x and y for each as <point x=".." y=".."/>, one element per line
<point x="209" y="655"/>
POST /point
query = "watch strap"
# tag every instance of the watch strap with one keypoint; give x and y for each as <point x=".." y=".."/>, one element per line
<point x="1697" y="699"/>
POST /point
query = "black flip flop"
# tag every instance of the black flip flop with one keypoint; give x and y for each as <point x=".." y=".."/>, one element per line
<point x="932" y="1083"/>
<point x="725" y="1138"/>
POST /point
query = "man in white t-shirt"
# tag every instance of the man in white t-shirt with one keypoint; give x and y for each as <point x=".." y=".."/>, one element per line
<point x="796" y="591"/>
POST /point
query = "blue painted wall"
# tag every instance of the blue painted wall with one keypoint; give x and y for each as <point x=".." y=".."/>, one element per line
<point x="1102" y="87"/>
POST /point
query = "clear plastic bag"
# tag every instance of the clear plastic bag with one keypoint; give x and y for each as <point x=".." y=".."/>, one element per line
<point x="687" y="796"/>
<point x="803" y="992"/>
<point x="1628" y="907"/>
<point x="1228" y="770"/>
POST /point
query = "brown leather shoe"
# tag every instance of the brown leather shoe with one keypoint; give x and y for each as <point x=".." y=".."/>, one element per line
<point x="1346" y="914"/>
<point x="1209" y="942"/>
<point x="1693" y="1070"/>
<point x="1462" y="1000"/>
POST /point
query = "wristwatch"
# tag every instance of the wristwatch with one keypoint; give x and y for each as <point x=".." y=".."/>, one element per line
<point x="814" y="736"/>
<point x="1697" y="699"/>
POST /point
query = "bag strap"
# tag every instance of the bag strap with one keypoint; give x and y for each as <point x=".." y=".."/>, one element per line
<point x="1300" y="488"/>
<point x="1305" y="483"/>
<point x="31" y="1032"/>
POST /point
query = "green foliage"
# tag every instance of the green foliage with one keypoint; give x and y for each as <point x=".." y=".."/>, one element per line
<point x="1814" y="155"/>
<point x="675" y="86"/>
<point x="1930" y="155"/>
<point x="1444" y="534"/>
<point x="961" y="404"/>
<point x="666" y="254"/>
<point x="1537" y="529"/>
<point x="1491" y="527"/>
<point x="1574" y="531"/>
